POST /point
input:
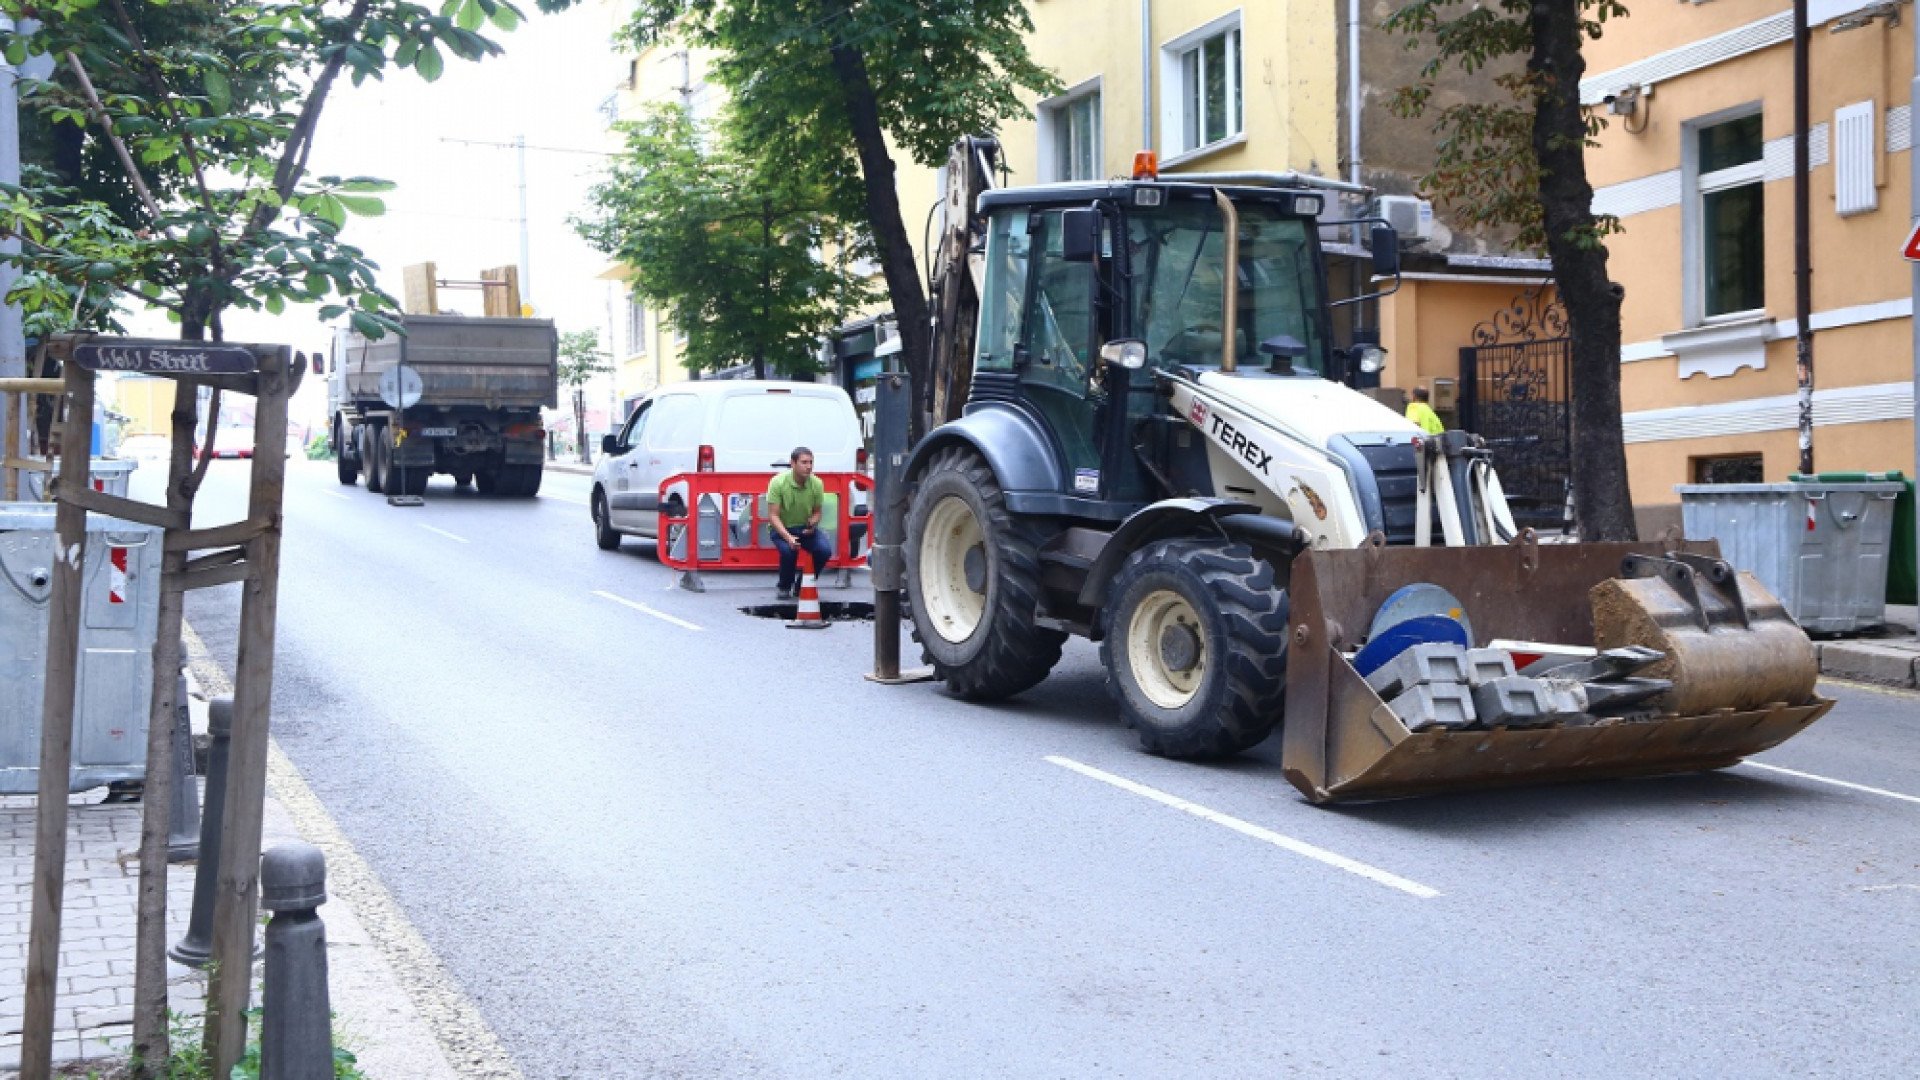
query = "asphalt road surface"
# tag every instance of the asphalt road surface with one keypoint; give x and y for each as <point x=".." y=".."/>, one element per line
<point x="651" y="836"/>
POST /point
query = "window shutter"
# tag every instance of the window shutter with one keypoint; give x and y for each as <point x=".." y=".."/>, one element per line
<point x="1854" y="191"/>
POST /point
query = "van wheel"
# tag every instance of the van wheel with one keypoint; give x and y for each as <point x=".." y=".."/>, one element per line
<point x="603" y="534"/>
<point x="973" y="583"/>
<point x="1195" y="647"/>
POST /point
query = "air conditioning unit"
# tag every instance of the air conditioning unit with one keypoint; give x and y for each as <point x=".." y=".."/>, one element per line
<point x="1410" y="216"/>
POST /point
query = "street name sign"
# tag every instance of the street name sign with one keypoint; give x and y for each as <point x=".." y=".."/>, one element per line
<point x="174" y="358"/>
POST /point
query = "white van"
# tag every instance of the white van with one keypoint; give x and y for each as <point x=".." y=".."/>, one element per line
<point x="716" y="425"/>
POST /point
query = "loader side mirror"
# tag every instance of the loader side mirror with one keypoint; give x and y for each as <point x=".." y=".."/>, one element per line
<point x="1129" y="353"/>
<point x="1079" y="234"/>
<point x="1385" y="244"/>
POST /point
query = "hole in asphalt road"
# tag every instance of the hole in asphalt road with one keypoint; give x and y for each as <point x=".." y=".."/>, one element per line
<point x="830" y="610"/>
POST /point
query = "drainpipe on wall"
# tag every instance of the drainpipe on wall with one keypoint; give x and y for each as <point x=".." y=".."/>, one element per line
<point x="1146" y="74"/>
<point x="1802" y="238"/>
<point x="1913" y="193"/>
<point x="1355" y="274"/>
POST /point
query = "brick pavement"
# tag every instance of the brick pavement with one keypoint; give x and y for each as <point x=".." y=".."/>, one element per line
<point x="93" y="1014"/>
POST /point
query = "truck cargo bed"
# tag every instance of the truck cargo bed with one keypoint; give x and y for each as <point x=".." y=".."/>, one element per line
<point x="490" y="363"/>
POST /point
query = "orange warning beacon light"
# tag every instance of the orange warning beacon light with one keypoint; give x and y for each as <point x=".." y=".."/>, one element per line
<point x="1146" y="165"/>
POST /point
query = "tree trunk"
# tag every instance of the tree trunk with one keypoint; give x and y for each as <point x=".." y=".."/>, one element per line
<point x="1602" y="505"/>
<point x="766" y="290"/>
<point x="889" y="229"/>
<point x="580" y="421"/>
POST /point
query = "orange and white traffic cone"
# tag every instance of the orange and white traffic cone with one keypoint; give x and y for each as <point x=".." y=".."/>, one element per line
<point x="807" y="617"/>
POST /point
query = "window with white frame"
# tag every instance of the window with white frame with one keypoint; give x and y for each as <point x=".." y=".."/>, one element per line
<point x="1200" y="73"/>
<point x="1070" y="135"/>
<point x="636" y="326"/>
<point x="1728" y="203"/>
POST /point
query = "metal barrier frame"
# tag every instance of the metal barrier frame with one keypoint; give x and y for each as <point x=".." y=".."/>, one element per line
<point x="732" y="508"/>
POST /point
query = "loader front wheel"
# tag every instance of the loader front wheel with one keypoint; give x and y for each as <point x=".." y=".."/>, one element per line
<point x="974" y="583"/>
<point x="1195" y="647"/>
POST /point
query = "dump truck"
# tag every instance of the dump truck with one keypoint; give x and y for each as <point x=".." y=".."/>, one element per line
<point x="1142" y="433"/>
<point x="477" y="387"/>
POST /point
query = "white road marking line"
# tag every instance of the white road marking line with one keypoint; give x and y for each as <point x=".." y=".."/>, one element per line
<point x="443" y="532"/>
<point x="1836" y="783"/>
<point x="1887" y="888"/>
<point x="566" y="498"/>
<point x="341" y="495"/>
<point x="1288" y="843"/>
<point x="645" y="610"/>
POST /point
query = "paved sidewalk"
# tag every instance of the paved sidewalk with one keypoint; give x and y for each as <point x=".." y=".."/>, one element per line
<point x="378" y="1004"/>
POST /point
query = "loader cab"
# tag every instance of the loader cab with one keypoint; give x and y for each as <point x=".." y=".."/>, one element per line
<point x="1070" y="268"/>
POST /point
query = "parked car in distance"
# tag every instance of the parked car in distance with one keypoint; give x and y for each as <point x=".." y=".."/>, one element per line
<point x="719" y="425"/>
<point x="228" y="442"/>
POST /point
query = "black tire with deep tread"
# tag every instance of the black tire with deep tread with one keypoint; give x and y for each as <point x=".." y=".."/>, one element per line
<point x="376" y="458"/>
<point x="1241" y="603"/>
<point x="603" y="535"/>
<point x="1009" y="652"/>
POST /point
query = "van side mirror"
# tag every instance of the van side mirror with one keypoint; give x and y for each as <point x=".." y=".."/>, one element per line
<point x="1385" y="244"/>
<point x="1079" y="234"/>
<point x="609" y="444"/>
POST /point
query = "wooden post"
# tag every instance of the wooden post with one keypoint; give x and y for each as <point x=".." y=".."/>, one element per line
<point x="56" y="732"/>
<point x="233" y="919"/>
<point x="11" y="448"/>
<point x="150" y="1043"/>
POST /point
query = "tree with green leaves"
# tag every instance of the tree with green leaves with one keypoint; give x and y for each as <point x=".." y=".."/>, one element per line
<point x="581" y="358"/>
<point x="729" y="244"/>
<point x="208" y="111"/>
<point x="821" y="86"/>
<point x="1519" y="160"/>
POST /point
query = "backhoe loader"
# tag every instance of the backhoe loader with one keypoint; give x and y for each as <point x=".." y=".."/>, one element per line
<point x="1141" y="436"/>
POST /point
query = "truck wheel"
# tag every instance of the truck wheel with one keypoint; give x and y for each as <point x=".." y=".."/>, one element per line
<point x="603" y="534"/>
<point x="376" y="458"/>
<point x="486" y="481"/>
<point x="1195" y="647"/>
<point x="346" y="469"/>
<point x="973" y="580"/>
<point x="409" y="480"/>
<point x="526" y="480"/>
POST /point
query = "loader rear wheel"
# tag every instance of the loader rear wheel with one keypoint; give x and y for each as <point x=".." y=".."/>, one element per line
<point x="973" y="580"/>
<point x="1195" y="647"/>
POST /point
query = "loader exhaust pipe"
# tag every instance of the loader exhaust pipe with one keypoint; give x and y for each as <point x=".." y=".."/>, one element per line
<point x="1230" y="279"/>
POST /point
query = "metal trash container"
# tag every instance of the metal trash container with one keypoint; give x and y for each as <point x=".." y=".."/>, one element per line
<point x="1823" y="548"/>
<point x="119" y="618"/>
<point x="110" y="475"/>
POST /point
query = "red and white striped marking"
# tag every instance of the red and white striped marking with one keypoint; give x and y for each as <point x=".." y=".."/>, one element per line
<point x="117" y="576"/>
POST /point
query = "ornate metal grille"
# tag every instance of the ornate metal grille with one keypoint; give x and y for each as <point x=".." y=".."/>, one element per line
<point x="1516" y="392"/>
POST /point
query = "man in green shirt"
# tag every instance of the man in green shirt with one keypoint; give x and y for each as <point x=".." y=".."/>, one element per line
<point x="795" y="500"/>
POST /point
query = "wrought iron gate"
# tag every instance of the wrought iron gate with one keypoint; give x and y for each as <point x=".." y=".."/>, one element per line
<point x="1516" y="392"/>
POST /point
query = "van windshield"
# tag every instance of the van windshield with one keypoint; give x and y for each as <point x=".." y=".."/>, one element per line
<point x="767" y="426"/>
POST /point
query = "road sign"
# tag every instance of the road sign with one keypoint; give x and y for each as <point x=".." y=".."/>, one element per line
<point x="1912" y="250"/>
<point x="166" y="358"/>
<point x="400" y="386"/>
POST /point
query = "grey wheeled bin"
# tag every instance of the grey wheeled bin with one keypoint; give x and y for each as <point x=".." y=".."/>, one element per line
<point x="1821" y="547"/>
<point x="119" y="619"/>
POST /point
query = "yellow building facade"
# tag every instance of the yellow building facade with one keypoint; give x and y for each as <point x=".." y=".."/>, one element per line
<point x="1697" y="164"/>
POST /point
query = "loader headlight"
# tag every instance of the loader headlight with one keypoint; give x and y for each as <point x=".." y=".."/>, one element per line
<point x="1129" y="353"/>
<point x="1372" y="358"/>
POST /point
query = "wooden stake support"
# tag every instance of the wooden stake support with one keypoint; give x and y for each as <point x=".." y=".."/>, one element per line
<point x="246" y="551"/>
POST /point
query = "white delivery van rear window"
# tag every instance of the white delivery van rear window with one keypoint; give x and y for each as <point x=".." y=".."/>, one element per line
<point x="772" y="424"/>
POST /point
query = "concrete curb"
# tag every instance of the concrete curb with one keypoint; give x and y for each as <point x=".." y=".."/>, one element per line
<point x="1887" y="662"/>
<point x="572" y="468"/>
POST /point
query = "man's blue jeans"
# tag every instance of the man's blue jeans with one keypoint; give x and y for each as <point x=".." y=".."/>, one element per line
<point x="814" y="542"/>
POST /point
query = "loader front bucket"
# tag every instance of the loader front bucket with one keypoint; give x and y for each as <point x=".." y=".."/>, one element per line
<point x="1341" y="741"/>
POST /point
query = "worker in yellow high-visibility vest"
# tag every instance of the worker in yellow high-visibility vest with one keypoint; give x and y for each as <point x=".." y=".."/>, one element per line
<point x="1422" y="413"/>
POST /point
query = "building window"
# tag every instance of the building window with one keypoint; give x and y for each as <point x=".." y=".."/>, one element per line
<point x="1729" y="469"/>
<point x="1729" y="204"/>
<point x="1201" y="74"/>
<point x="1070" y="135"/>
<point x="636" y="326"/>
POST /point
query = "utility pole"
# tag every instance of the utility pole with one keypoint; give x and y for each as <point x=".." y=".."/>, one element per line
<point x="526" y="272"/>
<point x="1802" y="236"/>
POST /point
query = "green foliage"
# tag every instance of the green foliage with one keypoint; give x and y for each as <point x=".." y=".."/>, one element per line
<point x="581" y="357"/>
<point x="189" y="1060"/>
<point x="728" y="242"/>
<point x="1486" y="169"/>
<point x="217" y="110"/>
<point x="939" y="69"/>
<point x="320" y="449"/>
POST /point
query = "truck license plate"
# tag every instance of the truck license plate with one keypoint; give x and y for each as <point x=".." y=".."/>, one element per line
<point x="439" y="432"/>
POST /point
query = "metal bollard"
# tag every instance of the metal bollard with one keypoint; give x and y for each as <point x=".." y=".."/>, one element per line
<point x="196" y="949"/>
<point x="296" y="1027"/>
<point x="183" y="825"/>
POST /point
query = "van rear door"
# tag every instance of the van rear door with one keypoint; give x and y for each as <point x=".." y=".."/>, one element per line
<point x="756" y="430"/>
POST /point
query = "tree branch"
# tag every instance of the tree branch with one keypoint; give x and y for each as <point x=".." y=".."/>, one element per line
<point x="99" y="113"/>
<point x="293" y="160"/>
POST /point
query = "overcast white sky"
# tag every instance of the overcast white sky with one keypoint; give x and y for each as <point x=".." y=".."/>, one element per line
<point x="457" y="205"/>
